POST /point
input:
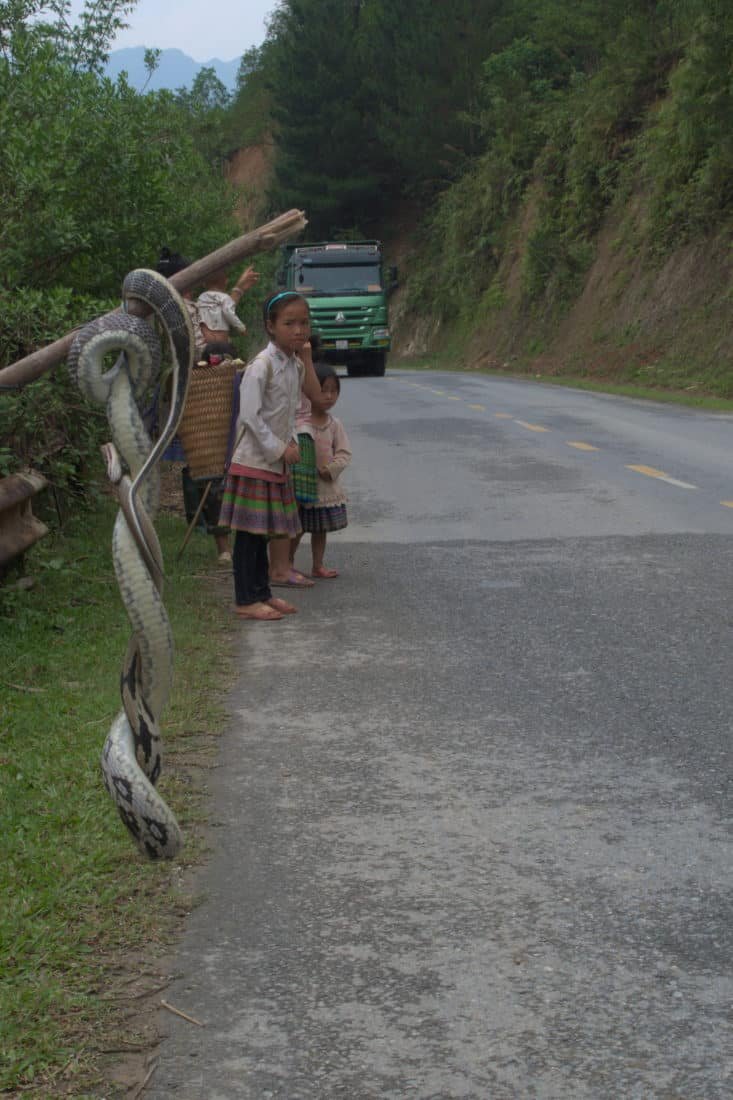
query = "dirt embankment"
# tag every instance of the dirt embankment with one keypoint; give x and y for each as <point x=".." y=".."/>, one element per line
<point x="250" y="171"/>
<point x="658" y="324"/>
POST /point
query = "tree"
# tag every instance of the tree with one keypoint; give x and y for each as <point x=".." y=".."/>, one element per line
<point x="206" y="103"/>
<point x="327" y="157"/>
<point x="25" y="25"/>
<point x="94" y="177"/>
<point x="421" y="71"/>
<point x="248" y="120"/>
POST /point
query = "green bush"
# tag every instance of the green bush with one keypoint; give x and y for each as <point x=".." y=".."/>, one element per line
<point x="48" y="425"/>
<point x="687" y="155"/>
<point x="94" y="179"/>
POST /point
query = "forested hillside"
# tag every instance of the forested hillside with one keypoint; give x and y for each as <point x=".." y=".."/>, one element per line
<point x="554" y="180"/>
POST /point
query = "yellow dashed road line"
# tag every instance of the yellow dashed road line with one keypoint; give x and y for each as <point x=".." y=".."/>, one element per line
<point x="660" y="475"/>
<point x="531" y="427"/>
<point x="647" y="471"/>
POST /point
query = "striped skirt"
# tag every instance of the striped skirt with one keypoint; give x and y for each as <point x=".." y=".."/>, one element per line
<point x="318" y="518"/>
<point x="260" y="507"/>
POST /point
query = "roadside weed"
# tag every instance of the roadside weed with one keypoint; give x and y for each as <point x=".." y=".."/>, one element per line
<point x="81" y="908"/>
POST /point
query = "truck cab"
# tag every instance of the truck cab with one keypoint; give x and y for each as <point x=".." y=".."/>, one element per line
<point x="344" y="284"/>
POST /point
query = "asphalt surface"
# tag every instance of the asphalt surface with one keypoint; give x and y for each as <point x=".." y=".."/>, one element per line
<point x="471" y="828"/>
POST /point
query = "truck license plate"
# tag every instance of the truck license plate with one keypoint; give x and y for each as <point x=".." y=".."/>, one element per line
<point x="342" y="345"/>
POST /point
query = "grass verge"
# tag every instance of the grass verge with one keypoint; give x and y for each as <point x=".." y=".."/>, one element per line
<point x="84" y="919"/>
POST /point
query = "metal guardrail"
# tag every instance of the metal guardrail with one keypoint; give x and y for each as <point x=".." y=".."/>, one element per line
<point x="19" y="528"/>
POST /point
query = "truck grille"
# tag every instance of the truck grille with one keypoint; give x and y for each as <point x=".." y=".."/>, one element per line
<point x="354" y="328"/>
<point x="356" y="320"/>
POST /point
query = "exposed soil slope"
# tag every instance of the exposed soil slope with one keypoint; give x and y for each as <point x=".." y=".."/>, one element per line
<point x="656" y="324"/>
<point x="250" y="170"/>
<point x="664" y="324"/>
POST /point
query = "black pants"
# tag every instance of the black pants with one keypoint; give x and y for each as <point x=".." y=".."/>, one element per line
<point x="251" y="569"/>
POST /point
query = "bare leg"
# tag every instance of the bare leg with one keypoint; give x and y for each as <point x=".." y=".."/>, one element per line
<point x="294" y="544"/>
<point x="279" y="550"/>
<point x="281" y="570"/>
<point x="222" y="546"/>
<point x="318" y="549"/>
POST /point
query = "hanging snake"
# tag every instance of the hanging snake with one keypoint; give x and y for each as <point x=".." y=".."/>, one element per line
<point x="131" y="758"/>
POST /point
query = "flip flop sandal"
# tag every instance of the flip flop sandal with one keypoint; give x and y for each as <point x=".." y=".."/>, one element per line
<point x="295" y="580"/>
<point x="324" y="574"/>
<point x="282" y="606"/>
<point x="263" y="614"/>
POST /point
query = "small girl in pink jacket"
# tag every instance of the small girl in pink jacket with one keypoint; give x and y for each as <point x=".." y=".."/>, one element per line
<point x="333" y="455"/>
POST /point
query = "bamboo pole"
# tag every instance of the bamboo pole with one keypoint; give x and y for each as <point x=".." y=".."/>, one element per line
<point x="262" y="239"/>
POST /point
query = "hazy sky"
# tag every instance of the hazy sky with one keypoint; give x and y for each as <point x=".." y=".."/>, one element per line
<point x="221" y="28"/>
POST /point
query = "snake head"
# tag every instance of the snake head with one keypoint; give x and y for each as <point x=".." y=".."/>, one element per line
<point x="112" y="461"/>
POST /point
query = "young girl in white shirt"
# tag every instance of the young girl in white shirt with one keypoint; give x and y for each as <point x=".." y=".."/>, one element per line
<point x="258" y="500"/>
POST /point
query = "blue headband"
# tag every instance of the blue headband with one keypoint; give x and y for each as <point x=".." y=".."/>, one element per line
<point x="282" y="294"/>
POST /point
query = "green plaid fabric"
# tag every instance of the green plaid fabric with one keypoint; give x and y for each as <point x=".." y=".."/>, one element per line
<point x="305" y="474"/>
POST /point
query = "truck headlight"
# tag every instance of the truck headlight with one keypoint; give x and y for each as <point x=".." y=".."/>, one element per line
<point x="380" y="334"/>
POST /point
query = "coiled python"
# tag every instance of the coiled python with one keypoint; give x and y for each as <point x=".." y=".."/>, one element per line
<point x="131" y="758"/>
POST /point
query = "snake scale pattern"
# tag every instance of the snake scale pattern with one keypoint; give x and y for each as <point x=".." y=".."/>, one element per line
<point x="131" y="758"/>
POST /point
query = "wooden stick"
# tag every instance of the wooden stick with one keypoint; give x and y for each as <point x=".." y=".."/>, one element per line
<point x="140" y="1089"/>
<point x="183" y="1015"/>
<point x="263" y="239"/>
<point x="195" y="519"/>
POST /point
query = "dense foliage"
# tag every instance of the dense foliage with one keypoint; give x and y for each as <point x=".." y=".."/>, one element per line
<point x="470" y="112"/>
<point x="94" y="179"/>
<point x="371" y="101"/>
<point x="470" y="108"/>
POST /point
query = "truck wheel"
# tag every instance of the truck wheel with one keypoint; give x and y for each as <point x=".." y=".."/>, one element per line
<point x="377" y="364"/>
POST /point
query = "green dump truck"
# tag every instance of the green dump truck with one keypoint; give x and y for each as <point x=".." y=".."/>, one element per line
<point x="347" y="293"/>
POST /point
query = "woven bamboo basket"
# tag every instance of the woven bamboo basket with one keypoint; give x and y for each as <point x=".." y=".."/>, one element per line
<point x="204" y="426"/>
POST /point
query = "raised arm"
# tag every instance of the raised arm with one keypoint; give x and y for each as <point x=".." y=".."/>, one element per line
<point x="247" y="279"/>
<point x="311" y="386"/>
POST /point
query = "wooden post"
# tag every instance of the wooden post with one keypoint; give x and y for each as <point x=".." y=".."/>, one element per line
<point x="19" y="528"/>
<point x="262" y="239"/>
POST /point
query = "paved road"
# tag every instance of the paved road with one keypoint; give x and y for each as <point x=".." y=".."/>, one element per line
<point x="472" y="827"/>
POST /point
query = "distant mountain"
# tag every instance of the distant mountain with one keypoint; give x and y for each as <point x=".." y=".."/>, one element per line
<point x="175" y="69"/>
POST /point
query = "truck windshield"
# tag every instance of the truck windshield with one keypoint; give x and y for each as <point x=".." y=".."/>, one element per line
<point x="337" y="279"/>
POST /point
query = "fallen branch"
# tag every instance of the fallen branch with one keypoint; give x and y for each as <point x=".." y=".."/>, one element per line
<point x="263" y="239"/>
<point x="141" y="1087"/>
<point x="183" y="1015"/>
